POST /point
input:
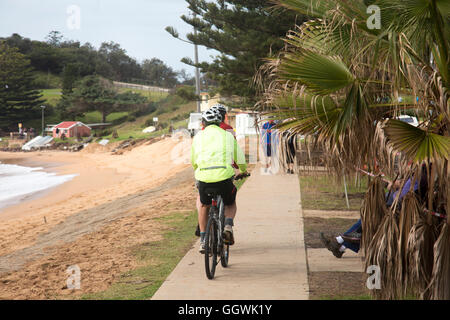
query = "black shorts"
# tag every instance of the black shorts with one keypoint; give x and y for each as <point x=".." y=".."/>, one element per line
<point x="225" y="188"/>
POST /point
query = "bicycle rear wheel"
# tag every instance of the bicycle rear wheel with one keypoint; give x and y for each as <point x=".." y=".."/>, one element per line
<point x="211" y="248"/>
<point x="225" y="255"/>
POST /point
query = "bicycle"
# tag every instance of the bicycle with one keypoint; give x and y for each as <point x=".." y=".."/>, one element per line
<point x="214" y="242"/>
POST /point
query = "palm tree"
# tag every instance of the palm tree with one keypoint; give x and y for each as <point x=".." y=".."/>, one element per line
<point x="343" y="84"/>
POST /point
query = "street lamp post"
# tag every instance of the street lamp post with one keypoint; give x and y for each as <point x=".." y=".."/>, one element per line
<point x="43" y="108"/>
<point x="197" y="73"/>
<point x="175" y="34"/>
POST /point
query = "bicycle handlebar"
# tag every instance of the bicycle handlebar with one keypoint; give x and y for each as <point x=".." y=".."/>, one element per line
<point x="242" y="176"/>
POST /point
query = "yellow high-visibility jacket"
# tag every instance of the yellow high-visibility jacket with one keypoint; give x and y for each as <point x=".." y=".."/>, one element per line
<point x="212" y="154"/>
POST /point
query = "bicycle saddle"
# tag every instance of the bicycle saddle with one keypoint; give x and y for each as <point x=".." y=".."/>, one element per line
<point x="212" y="192"/>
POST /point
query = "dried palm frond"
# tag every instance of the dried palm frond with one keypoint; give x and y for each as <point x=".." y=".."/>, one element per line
<point x="285" y="156"/>
<point x="410" y="209"/>
<point x="373" y="211"/>
<point x="419" y="249"/>
<point x="440" y="281"/>
<point x="383" y="253"/>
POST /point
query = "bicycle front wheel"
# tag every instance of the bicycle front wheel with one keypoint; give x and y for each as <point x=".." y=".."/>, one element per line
<point x="211" y="248"/>
<point x="224" y="248"/>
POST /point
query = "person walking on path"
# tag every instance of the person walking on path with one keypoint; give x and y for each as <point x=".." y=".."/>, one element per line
<point x="266" y="142"/>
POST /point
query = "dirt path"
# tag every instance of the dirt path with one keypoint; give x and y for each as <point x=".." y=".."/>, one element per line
<point x="268" y="260"/>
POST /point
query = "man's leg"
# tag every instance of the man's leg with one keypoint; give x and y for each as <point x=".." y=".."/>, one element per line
<point x="337" y="245"/>
<point x="352" y="246"/>
<point x="269" y="155"/>
<point x="203" y="210"/>
<point x="230" y="211"/>
<point x="357" y="227"/>
<point x="198" y="206"/>
<point x="202" y="222"/>
<point x="230" y="208"/>
<point x="230" y="214"/>
<point x="203" y="216"/>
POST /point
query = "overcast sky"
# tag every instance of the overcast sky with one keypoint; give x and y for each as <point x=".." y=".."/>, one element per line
<point x="137" y="25"/>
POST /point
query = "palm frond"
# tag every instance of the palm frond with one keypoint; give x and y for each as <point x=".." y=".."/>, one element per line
<point x="321" y="74"/>
<point x="440" y="283"/>
<point x="317" y="8"/>
<point x="415" y="143"/>
<point x="419" y="251"/>
<point x="373" y="211"/>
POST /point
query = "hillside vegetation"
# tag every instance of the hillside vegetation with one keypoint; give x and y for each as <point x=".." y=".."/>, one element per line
<point x="171" y="110"/>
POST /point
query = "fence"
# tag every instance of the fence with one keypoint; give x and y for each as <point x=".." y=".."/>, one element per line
<point x="141" y="87"/>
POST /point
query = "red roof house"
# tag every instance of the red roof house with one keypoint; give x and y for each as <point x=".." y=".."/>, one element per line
<point x="71" y="129"/>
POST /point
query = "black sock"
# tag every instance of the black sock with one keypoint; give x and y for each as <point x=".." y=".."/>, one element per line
<point x="229" y="221"/>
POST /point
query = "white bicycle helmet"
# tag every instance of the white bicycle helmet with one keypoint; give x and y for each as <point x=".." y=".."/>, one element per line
<point x="212" y="116"/>
<point x="222" y="109"/>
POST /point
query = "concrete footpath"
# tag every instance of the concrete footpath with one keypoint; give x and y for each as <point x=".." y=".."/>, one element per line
<point x="268" y="260"/>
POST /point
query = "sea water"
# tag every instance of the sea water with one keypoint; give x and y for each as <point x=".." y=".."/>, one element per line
<point x="18" y="183"/>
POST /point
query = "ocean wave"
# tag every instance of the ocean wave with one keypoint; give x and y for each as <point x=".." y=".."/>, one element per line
<point x="18" y="183"/>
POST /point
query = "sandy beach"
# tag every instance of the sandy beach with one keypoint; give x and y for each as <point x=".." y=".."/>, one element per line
<point x="92" y="220"/>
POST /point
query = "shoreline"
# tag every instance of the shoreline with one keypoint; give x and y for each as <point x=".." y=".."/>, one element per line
<point x="58" y="162"/>
<point x="49" y="167"/>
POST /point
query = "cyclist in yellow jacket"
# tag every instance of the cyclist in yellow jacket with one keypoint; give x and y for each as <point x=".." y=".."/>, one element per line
<point x="213" y="152"/>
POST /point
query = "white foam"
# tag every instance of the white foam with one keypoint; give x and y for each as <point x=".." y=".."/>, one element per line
<point x="18" y="182"/>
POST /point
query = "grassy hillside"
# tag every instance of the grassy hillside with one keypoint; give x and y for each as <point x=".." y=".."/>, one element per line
<point x="51" y="96"/>
<point x="173" y="110"/>
<point x="47" y="80"/>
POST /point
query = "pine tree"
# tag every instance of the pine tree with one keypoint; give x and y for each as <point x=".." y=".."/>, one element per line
<point x="244" y="32"/>
<point x="18" y="100"/>
<point x="94" y="93"/>
<point x="69" y="77"/>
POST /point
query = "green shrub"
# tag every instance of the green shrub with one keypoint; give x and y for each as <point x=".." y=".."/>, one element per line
<point x="160" y="111"/>
<point x="149" y="108"/>
<point x="120" y="120"/>
<point x="45" y="80"/>
<point x="187" y="93"/>
<point x="104" y="133"/>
